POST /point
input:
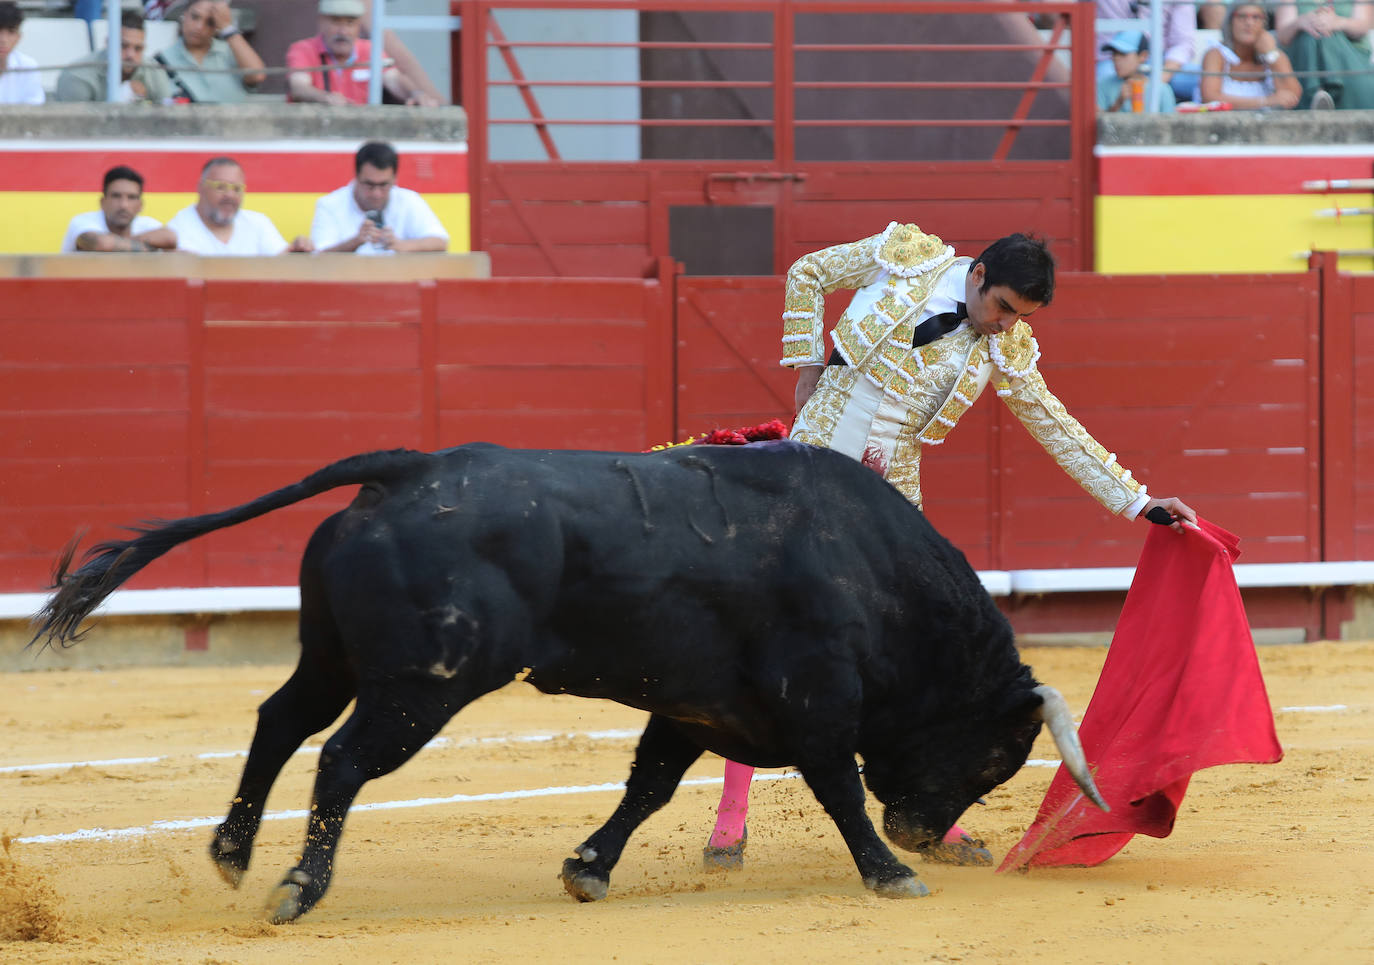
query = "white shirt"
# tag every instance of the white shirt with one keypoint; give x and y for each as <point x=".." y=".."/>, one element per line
<point x="949" y="292"/>
<point x="95" y="221"/>
<point x="254" y="234"/>
<point x="21" y="87"/>
<point x="338" y="217"/>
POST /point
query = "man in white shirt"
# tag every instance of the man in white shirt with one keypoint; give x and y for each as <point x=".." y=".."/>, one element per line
<point x="217" y="224"/>
<point x="19" y="82"/>
<point x="118" y="225"/>
<point x="371" y="215"/>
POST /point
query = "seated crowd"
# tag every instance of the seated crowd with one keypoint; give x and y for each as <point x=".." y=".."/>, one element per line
<point x="212" y="62"/>
<point x="1273" y="55"/>
<point x="370" y="215"/>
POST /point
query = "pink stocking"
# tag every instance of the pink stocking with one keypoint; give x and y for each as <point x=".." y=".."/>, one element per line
<point x="734" y="805"/>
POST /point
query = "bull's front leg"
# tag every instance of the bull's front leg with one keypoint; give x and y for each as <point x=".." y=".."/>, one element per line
<point x="841" y="792"/>
<point x="661" y="759"/>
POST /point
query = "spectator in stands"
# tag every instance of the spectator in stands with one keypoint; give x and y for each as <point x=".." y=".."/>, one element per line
<point x="19" y="82"/>
<point x="1247" y="70"/>
<point x="1329" y="35"/>
<point x="139" y="81"/>
<point x="1210" y="16"/>
<point x="119" y="225"/>
<point x="1125" y="89"/>
<point x="400" y="55"/>
<point x="217" y="224"/>
<point x="371" y="215"/>
<point x="1180" y="28"/>
<point x="211" y="42"/>
<point x="345" y="57"/>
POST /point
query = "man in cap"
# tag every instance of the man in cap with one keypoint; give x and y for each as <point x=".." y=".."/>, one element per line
<point x="1116" y="91"/>
<point x="334" y="66"/>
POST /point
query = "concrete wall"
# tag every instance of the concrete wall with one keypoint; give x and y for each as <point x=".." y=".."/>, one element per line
<point x="232" y="122"/>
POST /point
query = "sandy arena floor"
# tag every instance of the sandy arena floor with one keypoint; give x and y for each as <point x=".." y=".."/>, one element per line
<point x="1268" y="864"/>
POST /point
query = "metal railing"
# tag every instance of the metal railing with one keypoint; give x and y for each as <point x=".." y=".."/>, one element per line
<point x="381" y="22"/>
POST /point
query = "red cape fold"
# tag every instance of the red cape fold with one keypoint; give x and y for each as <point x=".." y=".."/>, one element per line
<point x="1180" y="691"/>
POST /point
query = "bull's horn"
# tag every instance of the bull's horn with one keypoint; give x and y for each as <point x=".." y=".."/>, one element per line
<point x="1056" y="715"/>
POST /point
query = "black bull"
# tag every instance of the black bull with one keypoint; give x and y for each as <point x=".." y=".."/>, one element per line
<point x="776" y="604"/>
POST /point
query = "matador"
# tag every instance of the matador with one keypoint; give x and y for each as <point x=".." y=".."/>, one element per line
<point x="924" y="334"/>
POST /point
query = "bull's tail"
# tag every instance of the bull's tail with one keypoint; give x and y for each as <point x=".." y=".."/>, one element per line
<point x="107" y="566"/>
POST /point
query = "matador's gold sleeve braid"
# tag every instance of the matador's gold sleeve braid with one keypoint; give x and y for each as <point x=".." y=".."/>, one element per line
<point x="809" y="280"/>
<point x="1080" y="455"/>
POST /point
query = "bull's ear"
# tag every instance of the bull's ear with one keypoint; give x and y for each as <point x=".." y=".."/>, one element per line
<point x="1023" y="704"/>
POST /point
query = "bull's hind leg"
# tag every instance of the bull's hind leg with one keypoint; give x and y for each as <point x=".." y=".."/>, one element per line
<point x="314" y="696"/>
<point x="663" y="756"/>
<point x="305" y="705"/>
<point x="392" y="720"/>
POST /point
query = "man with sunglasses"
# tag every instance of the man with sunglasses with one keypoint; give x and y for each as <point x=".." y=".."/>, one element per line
<point x="217" y="223"/>
<point x="371" y="215"/>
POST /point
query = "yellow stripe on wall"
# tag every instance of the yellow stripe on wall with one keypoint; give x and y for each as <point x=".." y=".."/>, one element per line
<point x="1247" y="233"/>
<point x="37" y="220"/>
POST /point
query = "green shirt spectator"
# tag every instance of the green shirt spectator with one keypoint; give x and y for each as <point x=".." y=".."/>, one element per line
<point x="1332" y="40"/>
<point x="211" y="62"/>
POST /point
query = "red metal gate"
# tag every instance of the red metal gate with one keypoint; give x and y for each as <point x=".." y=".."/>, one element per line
<point x="736" y="135"/>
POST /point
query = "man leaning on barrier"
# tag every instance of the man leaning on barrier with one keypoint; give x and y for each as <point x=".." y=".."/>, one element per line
<point x="371" y="215"/>
<point x="218" y="224"/>
<point x="119" y="225"/>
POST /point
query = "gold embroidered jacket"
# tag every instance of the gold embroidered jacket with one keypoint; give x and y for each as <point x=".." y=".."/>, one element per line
<point x="895" y="273"/>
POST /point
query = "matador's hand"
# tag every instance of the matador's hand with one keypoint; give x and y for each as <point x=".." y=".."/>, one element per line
<point x="1175" y="507"/>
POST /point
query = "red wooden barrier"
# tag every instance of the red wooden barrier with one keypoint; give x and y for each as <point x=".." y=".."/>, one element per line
<point x="130" y="400"/>
<point x="124" y="400"/>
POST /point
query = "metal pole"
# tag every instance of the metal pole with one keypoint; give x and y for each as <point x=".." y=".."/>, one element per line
<point x="113" y="40"/>
<point x="1152" y="91"/>
<point x="378" y="28"/>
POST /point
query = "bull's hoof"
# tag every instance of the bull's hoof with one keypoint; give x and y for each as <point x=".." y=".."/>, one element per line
<point x="290" y="899"/>
<point x="729" y="858"/>
<point x="965" y="851"/>
<point x="230" y="862"/>
<point x="905" y="887"/>
<point x="581" y="882"/>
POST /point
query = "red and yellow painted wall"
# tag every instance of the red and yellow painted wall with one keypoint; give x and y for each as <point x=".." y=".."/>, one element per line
<point x="1215" y="209"/>
<point x="44" y="183"/>
<point x="1226" y="208"/>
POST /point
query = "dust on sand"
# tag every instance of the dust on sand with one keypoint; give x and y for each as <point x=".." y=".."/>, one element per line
<point x="1267" y="863"/>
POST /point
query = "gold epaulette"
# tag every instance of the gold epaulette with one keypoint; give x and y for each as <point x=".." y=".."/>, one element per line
<point x="1015" y="351"/>
<point x="906" y="251"/>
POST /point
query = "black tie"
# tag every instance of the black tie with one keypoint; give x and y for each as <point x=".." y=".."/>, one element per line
<point x="937" y="326"/>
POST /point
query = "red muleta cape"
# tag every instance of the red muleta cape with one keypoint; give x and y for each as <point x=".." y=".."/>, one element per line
<point x="1180" y="691"/>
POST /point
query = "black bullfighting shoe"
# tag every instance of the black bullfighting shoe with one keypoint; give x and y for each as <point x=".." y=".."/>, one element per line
<point x="964" y="850"/>
<point x="730" y="858"/>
